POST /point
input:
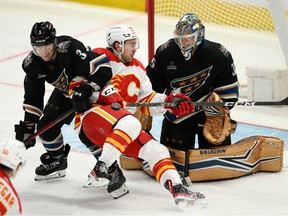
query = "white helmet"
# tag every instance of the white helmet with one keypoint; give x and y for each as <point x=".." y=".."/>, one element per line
<point x="12" y="153"/>
<point x="120" y="33"/>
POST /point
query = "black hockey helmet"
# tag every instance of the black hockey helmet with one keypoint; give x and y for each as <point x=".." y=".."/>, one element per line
<point x="42" y="33"/>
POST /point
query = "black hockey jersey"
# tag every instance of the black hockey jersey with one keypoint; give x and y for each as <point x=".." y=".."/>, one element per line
<point x="72" y="60"/>
<point x="210" y="69"/>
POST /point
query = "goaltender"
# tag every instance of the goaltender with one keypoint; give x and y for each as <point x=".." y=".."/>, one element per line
<point x="204" y="71"/>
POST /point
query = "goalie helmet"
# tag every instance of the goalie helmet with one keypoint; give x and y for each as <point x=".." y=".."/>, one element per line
<point x="189" y="34"/>
<point x="120" y="33"/>
<point x="12" y="154"/>
<point x="42" y="33"/>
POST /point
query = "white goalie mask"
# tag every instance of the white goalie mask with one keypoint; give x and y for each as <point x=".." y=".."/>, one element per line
<point x="120" y="34"/>
<point x="189" y="34"/>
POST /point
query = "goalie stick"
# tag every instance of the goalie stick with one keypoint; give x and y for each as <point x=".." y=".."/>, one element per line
<point x="51" y="124"/>
<point x="237" y="103"/>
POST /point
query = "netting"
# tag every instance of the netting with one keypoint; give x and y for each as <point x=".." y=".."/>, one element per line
<point x="244" y="27"/>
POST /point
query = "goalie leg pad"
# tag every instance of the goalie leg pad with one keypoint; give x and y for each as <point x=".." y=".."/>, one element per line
<point x="247" y="156"/>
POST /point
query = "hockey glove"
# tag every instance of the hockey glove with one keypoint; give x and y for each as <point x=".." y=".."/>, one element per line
<point x="108" y="95"/>
<point x="179" y="104"/>
<point x="80" y="98"/>
<point x="24" y="130"/>
<point x="218" y="125"/>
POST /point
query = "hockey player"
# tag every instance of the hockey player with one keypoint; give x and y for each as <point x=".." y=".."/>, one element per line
<point x="196" y="67"/>
<point x="11" y="159"/>
<point x="130" y="79"/>
<point x="57" y="61"/>
<point x="118" y="131"/>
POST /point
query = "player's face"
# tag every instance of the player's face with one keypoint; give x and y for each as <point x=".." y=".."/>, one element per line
<point x="187" y="41"/>
<point x="46" y="52"/>
<point x="130" y="48"/>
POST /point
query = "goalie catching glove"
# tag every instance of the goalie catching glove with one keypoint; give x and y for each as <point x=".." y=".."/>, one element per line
<point x="179" y="104"/>
<point x="218" y="125"/>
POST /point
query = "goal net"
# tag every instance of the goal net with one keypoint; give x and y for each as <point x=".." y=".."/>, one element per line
<point x="250" y="29"/>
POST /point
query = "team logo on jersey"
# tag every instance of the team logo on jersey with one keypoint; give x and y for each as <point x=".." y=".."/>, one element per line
<point x="63" y="47"/>
<point x="128" y="86"/>
<point x="224" y="51"/>
<point x="27" y="60"/>
<point x="187" y="85"/>
<point x="62" y="81"/>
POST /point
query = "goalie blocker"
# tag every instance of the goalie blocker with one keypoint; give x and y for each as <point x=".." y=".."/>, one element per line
<point x="250" y="155"/>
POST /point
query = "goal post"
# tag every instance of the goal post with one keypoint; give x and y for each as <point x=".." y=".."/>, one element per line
<point x="254" y="31"/>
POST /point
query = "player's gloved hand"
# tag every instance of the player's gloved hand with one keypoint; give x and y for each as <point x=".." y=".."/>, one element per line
<point x="179" y="104"/>
<point x="109" y="95"/>
<point x="23" y="130"/>
<point x="80" y="98"/>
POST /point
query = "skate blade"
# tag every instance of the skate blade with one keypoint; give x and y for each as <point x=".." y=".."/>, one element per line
<point x="186" y="202"/>
<point x="94" y="182"/>
<point x="123" y="190"/>
<point x="55" y="175"/>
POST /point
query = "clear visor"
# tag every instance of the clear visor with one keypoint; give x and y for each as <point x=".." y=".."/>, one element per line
<point x="186" y="42"/>
<point x="44" y="50"/>
<point x="132" y="44"/>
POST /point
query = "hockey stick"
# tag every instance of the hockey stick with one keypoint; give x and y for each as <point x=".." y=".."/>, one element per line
<point x="51" y="124"/>
<point x="238" y="103"/>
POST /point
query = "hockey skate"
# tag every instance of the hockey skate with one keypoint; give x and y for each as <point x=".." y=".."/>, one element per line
<point x="116" y="186"/>
<point x="52" y="168"/>
<point x="94" y="181"/>
<point x="183" y="197"/>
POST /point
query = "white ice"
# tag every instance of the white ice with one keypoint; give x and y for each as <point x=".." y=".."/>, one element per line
<point x="257" y="194"/>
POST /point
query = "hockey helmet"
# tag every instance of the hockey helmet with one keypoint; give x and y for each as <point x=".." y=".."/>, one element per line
<point x="12" y="154"/>
<point x="42" y="33"/>
<point x="190" y="29"/>
<point x="120" y="33"/>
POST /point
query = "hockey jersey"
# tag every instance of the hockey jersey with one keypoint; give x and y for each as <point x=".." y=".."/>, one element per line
<point x="132" y="83"/>
<point x="210" y="69"/>
<point x="72" y="60"/>
<point x="10" y="203"/>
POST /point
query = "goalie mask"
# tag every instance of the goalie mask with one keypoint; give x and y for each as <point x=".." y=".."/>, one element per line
<point x="121" y="34"/>
<point x="189" y="34"/>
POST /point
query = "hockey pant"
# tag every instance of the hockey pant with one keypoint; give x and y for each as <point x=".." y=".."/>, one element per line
<point x="184" y="134"/>
<point x="52" y="139"/>
<point x="119" y="132"/>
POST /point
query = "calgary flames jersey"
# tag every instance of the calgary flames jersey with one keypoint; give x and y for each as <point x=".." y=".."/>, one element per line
<point x="132" y="83"/>
<point x="9" y="200"/>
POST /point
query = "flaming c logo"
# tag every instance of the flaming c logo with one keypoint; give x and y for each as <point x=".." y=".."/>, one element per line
<point x="128" y="86"/>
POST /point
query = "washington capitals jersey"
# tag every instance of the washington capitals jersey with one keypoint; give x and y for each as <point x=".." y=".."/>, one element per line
<point x="72" y="60"/>
<point x="210" y="69"/>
